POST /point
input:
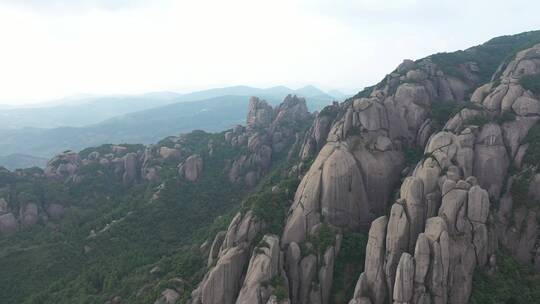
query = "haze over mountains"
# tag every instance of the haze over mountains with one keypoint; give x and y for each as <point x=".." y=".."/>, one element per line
<point x="75" y="123"/>
<point x="424" y="188"/>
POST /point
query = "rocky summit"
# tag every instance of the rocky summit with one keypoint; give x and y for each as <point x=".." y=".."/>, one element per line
<point x="421" y="189"/>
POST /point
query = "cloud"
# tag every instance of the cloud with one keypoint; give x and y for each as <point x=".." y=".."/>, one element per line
<point x="55" y="48"/>
<point x="76" y="6"/>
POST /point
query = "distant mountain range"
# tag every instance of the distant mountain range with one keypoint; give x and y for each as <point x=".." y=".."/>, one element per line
<point x="17" y="160"/>
<point x="75" y="124"/>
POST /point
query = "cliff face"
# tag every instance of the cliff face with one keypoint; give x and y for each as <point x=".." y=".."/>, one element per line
<point x="443" y="223"/>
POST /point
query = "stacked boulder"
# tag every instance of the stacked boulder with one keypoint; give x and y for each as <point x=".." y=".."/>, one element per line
<point x="437" y="233"/>
<point x="223" y="281"/>
<point x="8" y="222"/>
<point x="353" y="175"/>
<point x="268" y="132"/>
<point x="441" y="228"/>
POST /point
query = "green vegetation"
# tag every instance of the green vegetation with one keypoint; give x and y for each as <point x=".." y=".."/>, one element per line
<point x="108" y="148"/>
<point x="413" y="155"/>
<point x="271" y="206"/>
<point x="280" y="290"/>
<point x="348" y="266"/>
<point x="531" y="83"/>
<point x="478" y="120"/>
<point x="323" y="239"/>
<point x="532" y="156"/>
<point x="483" y="119"/>
<point x="510" y="284"/>
<point x="62" y="264"/>
<point x="442" y="111"/>
<point x="520" y="188"/>
<point x="330" y="111"/>
<point x="488" y="56"/>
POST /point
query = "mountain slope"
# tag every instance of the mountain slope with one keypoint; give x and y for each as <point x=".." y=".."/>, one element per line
<point x="420" y="189"/>
<point x="16" y="161"/>
<point x="214" y="114"/>
<point x="88" y="110"/>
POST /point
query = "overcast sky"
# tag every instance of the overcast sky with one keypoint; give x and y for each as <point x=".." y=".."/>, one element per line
<point x="55" y="48"/>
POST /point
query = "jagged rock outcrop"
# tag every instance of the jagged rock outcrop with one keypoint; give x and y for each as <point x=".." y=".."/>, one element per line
<point x="315" y="137"/>
<point x="364" y="149"/>
<point x="130" y="168"/>
<point x="168" y="296"/>
<point x="191" y="169"/>
<point x="169" y="153"/>
<point x="222" y="283"/>
<point x="264" y="265"/>
<point x="215" y="247"/>
<point x="260" y="113"/>
<point x="8" y="224"/>
<point x="432" y="258"/>
<point x="28" y="214"/>
<point x="63" y="165"/>
<point x="268" y="132"/>
<point x="442" y="226"/>
<point x="516" y="223"/>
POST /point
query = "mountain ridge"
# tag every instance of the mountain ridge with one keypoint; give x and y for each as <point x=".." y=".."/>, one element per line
<point x="420" y="189"/>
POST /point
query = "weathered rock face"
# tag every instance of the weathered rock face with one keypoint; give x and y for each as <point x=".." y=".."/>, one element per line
<point x="130" y="168"/>
<point x="169" y="153"/>
<point x="168" y="296"/>
<point x="223" y="282"/>
<point x="8" y="224"/>
<point x="490" y="159"/>
<point x="439" y="229"/>
<point x="432" y="258"/>
<point x="214" y="249"/>
<point x="268" y="133"/>
<point x="29" y="214"/>
<point x="372" y="283"/>
<point x="3" y="206"/>
<point x="263" y="267"/>
<point x="316" y="136"/>
<point x="191" y="169"/>
<point x="363" y="148"/>
<point x="260" y="113"/>
<point x="63" y="165"/>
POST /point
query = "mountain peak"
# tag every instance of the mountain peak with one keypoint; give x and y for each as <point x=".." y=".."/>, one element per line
<point x="309" y="91"/>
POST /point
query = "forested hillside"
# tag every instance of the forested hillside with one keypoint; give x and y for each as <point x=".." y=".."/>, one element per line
<point x="420" y="189"/>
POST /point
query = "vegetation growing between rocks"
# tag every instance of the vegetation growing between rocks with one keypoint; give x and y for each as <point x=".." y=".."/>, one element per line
<point x="279" y="289"/>
<point x="511" y="283"/>
<point x="488" y="56"/>
<point x="531" y="83"/>
<point x="413" y="155"/>
<point x="66" y="266"/>
<point x="532" y="156"/>
<point x="348" y="266"/>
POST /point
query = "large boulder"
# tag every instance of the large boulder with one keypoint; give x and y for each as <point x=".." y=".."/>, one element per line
<point x="29" y="214"/>
<point x="490" y="159"/>
<point x="263" y="267"/>
<point x="8" y="224"/>
<point x="130" y="168"/>
<point x="191" y="169"/>
<point x="403" y="287"/>
<point x="222" y="283"/>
